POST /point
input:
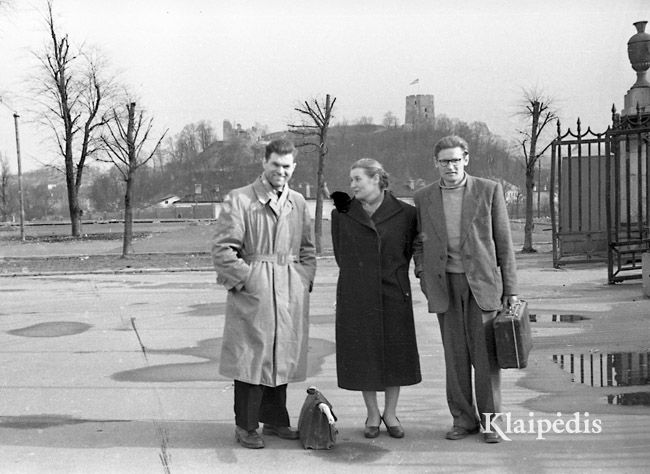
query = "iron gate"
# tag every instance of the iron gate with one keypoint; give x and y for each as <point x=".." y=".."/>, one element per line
<point x="627" y="191"/>
<point x="599" y="196"/>
<point x="577" y="197"/>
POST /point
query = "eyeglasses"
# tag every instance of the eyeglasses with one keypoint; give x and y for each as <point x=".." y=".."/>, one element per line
<point x="455" y="162"/>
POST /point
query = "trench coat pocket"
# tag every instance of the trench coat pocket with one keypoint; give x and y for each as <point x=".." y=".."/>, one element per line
<point x="300" y="269"/>
<point x="249" y="285"/>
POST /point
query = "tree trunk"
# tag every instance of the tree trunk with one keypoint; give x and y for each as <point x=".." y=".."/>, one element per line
<point x="127" y="246"/>
<point x="73" y="200"/>
<point x="529" y="225"/>
<point x="320" y="180"/>
<point x="318" y="217"/>
<point x="127" y="242"/>
<point x="530" y="180"/>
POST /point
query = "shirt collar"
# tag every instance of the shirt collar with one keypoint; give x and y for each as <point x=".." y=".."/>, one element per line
<point x="270" y="190"/>
<point x="462" y="183"/>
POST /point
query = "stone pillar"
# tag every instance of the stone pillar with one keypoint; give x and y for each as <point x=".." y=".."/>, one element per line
<point x="638" y="51"/>
<point x="637" y="104"/>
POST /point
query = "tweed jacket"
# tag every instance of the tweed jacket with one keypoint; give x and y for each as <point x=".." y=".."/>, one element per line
<point x="486" y="245"/>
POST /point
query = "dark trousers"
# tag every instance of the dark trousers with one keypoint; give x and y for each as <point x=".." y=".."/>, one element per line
<point x="258" y="403"/>
<point x="468" y="341"/>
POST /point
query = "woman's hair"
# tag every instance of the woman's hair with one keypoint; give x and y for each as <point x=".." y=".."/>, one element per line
<point x="373" y="168"/>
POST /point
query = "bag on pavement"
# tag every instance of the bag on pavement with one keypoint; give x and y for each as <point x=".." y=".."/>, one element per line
<point x="317" y="422"/>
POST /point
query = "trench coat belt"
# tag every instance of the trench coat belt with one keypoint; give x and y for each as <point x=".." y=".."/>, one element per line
<point x="280" y="258"/>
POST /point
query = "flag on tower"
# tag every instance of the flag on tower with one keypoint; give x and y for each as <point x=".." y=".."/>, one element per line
<point x="416" y="81"/>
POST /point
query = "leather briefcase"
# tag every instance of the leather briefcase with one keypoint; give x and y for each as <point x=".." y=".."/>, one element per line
<point x="316" y="422"/>
<point x="512" y="336"/>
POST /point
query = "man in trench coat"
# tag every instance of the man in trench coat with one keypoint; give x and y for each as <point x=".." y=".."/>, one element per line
<point x="467" y="271"/>
<point x="264" y="255"/>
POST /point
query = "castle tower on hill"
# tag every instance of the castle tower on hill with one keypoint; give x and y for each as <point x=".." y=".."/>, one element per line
<point x="420" y="111"/>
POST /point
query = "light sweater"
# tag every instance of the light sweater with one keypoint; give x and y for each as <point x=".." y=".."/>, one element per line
<point x="452" y="203"/>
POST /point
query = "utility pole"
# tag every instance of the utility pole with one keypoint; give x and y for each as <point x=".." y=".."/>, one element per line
<point x="20" y="181"/>
<point x="539" y="184"/>
<point x="20" y="173"/>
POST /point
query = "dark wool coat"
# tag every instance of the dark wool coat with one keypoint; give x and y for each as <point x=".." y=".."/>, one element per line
<point x="375" y="333"/>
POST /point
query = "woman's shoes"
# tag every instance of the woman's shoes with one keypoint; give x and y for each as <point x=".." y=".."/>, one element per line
<point x="395" y="431"/>
<point x="371" y="431"/>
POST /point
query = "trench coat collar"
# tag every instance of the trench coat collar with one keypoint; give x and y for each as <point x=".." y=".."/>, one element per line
<point x="437" y="213"/>
<point x="387" y="209"/>
<point x="266" y="194"/>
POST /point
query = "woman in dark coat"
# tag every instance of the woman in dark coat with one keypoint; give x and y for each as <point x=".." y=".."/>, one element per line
<point x="373" y="235"/>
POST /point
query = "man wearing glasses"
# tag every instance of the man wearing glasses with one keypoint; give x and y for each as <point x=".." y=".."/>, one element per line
<point x="467" y="271"/>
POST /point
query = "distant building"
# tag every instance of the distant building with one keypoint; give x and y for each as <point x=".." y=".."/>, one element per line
<point x="420" y="111"/>
<point x="166" y="201"/>
<point x="230" y="133"/>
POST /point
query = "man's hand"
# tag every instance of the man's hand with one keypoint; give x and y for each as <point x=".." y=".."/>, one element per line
<point x="509" y="300"/>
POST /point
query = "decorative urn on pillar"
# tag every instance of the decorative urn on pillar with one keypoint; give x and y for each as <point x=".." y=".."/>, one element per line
<point x="638" y="50"/>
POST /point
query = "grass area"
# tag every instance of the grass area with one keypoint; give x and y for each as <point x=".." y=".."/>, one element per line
<point x="160" y="245"/>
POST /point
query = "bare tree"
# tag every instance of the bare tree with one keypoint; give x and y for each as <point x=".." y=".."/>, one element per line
<point x="73" y="96"/>
<point x="539" y="111"/>
<point x="206" y="135"/>
<point x="124" y="145"/>
<point x="390" y="120"/>
<point x="320" y="114"/>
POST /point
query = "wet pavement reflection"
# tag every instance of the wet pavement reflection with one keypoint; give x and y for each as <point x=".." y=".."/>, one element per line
<point x="617" y="369"/>
<point x="556" y="318"/>
<point x="630" y="399"/>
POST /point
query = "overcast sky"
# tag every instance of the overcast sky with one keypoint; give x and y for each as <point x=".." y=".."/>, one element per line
<point x="254" y="60"/>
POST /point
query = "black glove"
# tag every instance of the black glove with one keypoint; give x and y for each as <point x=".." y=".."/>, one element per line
<point x="341" y="201"/>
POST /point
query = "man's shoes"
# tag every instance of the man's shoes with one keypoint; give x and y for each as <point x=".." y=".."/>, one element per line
<point x="370" y="431"/>
<point x="248" y="439"/>
<point x="395" y="431"/>
<point x="491" y="437"/>
<point x="458" y="432"/>
<point x="284" y="432"/>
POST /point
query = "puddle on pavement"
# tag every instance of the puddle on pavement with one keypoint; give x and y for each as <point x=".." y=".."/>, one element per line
<point x="51" y="329"/>
<point x="617" y="369"/>
<point x="206" y="309"/>
<point x="208" y="371"/>
<point x="556" y="318"/>
<point x="35" y="422"/>
<point x="352" y="453"/>
<point x="630" y="399"/>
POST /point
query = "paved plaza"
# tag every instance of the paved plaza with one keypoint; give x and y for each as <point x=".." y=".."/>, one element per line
<point x="118" y="373"/>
